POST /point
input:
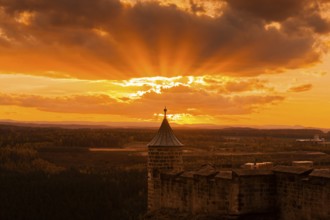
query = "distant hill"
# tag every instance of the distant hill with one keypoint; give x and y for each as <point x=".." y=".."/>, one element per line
<point x="75" y="125"/>
<point x="83" y="124"/>
<point x="76" y="135"/>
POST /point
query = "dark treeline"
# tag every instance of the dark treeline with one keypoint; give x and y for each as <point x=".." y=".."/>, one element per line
<point x="60" y="137"/>
<point x="117" y="194"/>
<point x="112" y="138"/>
<point x="33" y="188"/>
<point x="250" y="132"/>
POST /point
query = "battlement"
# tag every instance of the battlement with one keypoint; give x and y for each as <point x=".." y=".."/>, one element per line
<point x="288" y="192"/>
<point x="258" y="191"/>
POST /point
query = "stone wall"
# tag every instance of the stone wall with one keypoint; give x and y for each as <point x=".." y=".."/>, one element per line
<point x="281" y="193"/>
<point x="257" y="191"/>
<point x="303" y="193"/>
<point x="161" y="159"/>
<point x="176" y="192"/>
<point x="165" y="158"/>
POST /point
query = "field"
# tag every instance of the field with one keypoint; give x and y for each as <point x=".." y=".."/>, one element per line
<point x="136" y="157"/>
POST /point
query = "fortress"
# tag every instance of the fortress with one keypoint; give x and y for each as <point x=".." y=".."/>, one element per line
<point x="280" y="192"/>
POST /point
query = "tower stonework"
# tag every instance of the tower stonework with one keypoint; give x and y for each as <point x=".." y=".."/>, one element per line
<point x="164" y="154"/>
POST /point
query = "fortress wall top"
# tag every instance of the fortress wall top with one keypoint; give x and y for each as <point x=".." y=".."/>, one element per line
<point x="257" y="191"/>
<point x="297" y="192"/>
<point x="303" y="194"/>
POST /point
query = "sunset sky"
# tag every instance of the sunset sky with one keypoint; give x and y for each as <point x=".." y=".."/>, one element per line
<point x="222" y="62"/>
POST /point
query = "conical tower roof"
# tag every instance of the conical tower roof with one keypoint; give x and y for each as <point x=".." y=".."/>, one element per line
<point x="165" y="136"/>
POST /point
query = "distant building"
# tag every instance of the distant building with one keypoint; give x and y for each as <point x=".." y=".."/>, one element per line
<point x="315" y="140"/>
<point x="309" y="164"/>
<point x="262" y="165"/>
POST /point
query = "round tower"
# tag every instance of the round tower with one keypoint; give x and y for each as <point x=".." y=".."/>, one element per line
<point x="164" y="154"/>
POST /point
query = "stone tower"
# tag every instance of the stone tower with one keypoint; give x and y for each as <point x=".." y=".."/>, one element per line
<point x="164" y="154"/>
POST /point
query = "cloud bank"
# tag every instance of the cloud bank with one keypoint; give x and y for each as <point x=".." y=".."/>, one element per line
<point x="110" y="39"/>
<point x="142" y="98"/>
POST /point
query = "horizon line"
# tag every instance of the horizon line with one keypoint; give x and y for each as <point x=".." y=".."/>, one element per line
<point x="149" y="124"/>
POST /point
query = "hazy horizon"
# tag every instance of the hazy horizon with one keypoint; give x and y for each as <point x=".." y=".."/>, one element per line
<point x="155" y="125"/>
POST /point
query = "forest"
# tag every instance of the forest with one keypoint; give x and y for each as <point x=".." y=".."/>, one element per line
<point x="11" y="135"/>
<point x="34" y="188"/>
<point x="72" y="195"/>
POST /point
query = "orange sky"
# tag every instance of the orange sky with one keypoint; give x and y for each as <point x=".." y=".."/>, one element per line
<point x="217" y="62"/>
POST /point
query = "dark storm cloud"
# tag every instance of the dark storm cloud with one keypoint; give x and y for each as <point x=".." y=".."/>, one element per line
<point x="271" y="10"/>
<point x="66" y="12"/>
<point x="142" y="36"/>
<point x="304" y="13"/>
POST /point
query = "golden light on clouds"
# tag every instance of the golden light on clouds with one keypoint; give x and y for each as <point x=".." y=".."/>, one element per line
<point x="199" y="7"/>
<point x="211" y="62"/>
<point x="24" y="17"/>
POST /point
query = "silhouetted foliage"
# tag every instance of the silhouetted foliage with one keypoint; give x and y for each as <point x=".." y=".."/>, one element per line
<point x="59" y="137"/>
<point x="117" y="194"/>
<point x="33" y="188"/>
<point x="24" y="159"/>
